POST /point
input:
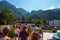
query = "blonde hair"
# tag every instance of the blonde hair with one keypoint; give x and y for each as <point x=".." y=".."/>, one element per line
<point x="35" y="36"/>
<point x="30" y="30"/>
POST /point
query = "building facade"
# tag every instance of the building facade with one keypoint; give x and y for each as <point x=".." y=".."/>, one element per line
<point x="55" y="23"/>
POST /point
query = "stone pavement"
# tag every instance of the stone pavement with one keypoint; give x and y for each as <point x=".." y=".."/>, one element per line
<point x="47" y="35"/>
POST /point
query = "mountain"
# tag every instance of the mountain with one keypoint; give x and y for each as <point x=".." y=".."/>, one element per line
<point x="18" y="11"/>
<point x="10" y="6"/>
<point x="39" y="14"/>
<point x="34" y="12"/>
<point x="21" y="10"/>
<point x="47" y="14"/>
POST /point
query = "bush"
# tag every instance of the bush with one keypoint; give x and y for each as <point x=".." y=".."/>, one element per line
<point x="12" y="32"/>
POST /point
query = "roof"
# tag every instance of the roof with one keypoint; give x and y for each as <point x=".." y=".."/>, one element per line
<point x="24" y="21"/>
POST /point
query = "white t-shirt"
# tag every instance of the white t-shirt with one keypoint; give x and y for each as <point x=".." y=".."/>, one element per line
<point x="17" y="31"/>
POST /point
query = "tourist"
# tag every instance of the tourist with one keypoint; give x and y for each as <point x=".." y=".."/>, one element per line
<point x="23" y="34"/>
<point x="29" y="32"/>
<point x="36" y="34"/>
<point x="17" y="31"/>
<point x="21" y="27"/>
<point x="5" y="33"/>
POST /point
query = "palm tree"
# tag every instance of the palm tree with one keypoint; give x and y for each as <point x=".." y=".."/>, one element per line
<point x="6" y="16"/>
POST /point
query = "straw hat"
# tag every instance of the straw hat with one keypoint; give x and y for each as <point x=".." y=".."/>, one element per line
<point x="37" y="28"/>
<point x="57" y="34"/>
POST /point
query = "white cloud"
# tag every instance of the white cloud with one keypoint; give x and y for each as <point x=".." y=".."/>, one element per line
<point x="50" y="8"/>
<point x="17" y="6"/>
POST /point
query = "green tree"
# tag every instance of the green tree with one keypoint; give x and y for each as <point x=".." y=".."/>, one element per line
<point x="23" y="17"/>
<point x="45" y="23"/>
<point x="7" y="16"/>
<point x="12" y="32"/>
<point x="29" y="19"/>
<point x="38" y="23"/>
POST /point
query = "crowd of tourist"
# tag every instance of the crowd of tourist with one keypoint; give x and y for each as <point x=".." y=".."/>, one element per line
<point x="22" y="33"/>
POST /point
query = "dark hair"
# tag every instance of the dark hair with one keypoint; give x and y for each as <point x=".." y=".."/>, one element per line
<point x="24" y="28"/>
<point x="35" y="36"/>
<point x="5" y="31"/>
<point x="14" y="25"/>
<point x="1" y="33"/>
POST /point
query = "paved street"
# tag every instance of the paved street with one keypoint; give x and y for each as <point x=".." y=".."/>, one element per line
<point x="47" y="35"/>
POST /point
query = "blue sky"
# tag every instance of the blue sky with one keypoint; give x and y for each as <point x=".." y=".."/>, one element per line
<point x="30" y="5"/>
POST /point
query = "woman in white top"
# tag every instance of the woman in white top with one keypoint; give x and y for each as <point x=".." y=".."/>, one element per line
<point x="17" y="31"/>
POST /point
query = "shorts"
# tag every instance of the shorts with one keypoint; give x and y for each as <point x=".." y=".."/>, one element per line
<point x="16" y="35"/>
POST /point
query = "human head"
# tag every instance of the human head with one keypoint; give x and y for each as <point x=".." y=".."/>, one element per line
<point x="36" y="30"/>
<point x="5" y="31"/>
<point x="21" y="26"/>
<point x="35" y="36"/>
<point x="29" y="30"/>
<point x="17" y="26"/>
<point x="24" y="28"/>
<point x="29" y="27"/>
<point x="14" y="25"/>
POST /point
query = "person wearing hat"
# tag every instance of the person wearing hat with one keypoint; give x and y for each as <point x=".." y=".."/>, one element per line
<point x="36" y="30"/>
<point x="36" y="34"/>
<point x="56" y="35"/>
